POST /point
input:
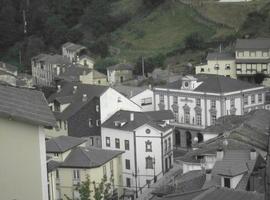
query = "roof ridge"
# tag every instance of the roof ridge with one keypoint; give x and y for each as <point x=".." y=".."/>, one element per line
<point x="84" y="153"/>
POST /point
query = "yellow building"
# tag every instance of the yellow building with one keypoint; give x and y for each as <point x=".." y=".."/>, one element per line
<point x="23" y="115"/>
<point x="220" y="63"/>
<point x="85" y="162"/>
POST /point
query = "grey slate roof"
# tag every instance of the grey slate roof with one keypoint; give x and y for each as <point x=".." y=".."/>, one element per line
<point x="214" y="84"/>
<point x="129" y="91"/>
<point x="72" y="47"/>
<point x="62" y="144"/>
<point x="215" y="193"/>
<point x="52" y="59"/>
<point x="220" y="56"/>
<point x="75" y="99"/>
<point x="73" y="72"/>
<point x="140" y="118"/>
<point x="52" y="165"/>
<point x="249" y="44"/>
<point x="81" y="157"/>
<point x="25" y="105"/>
<point x="121" y="66"/>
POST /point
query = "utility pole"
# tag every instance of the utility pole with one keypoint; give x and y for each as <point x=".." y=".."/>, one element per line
<point x="143" y="67"/>
<point x="267" y="170"/>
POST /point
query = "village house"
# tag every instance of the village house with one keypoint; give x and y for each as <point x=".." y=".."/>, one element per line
<point x="23" y="115"/>
<point x="74" y="51"/>
<point x="120" y="73"/>
<point x="198" y="101"/>
<point x="82" y="74"/>
<point x="71" y="163"/>
<point x="147" y="141"/>
<point x="80" y="109"/>
<point x="142" y="96"/>
<point x="8" y="73"/>
<point x="46" y="67"/>
<point x="220" y="63"/>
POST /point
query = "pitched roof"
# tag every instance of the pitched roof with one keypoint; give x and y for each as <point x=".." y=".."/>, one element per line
<point x="98" y="75"/>
<point x="52" y="165"/>
<point x="73" y="47"/>
<point x="214" y="193"/>
<point x="121" y="66"/>
<point x="81" y="157"/>
<point x="152" y="118"/>
<point x="62" y="144"/>
<point x="73" y="72"/>
<point x="52" y="59"/>
<point x="258" y="43"/>
<point x="220" y="56"/>
<point x="75" y="99"/>
<point x="214" y="84"/>
<point x="129" y="91"/>
<point x="25" y="105"/>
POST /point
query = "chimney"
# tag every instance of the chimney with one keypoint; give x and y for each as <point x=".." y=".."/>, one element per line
<point x="75" y="89"/>
<point x="84" y="97"/>
<point x="220" y="154"/>
<point x="58" y="88"/>
<point x="208" y="175"/>
<point x="131" y="117"/>
<point x="253" y="154"/>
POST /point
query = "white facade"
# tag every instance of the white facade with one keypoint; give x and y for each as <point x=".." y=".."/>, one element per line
<point x="137" y="174"/>
<point x="111" y="101"/>
<point x="194" y="110"/>
<point x="144" y="99"/>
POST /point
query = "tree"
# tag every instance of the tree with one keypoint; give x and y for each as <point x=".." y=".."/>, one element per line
<point x="194" y="41"/>
<point x="101" y="190"/>
<point x="152" y="3"/>
<point x="259" y="78"/>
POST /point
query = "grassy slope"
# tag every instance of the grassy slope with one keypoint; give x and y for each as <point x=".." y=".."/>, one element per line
<point x="159" y="32"/>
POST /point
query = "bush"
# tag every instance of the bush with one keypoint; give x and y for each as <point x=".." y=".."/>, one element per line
<point x="194" y="41"/>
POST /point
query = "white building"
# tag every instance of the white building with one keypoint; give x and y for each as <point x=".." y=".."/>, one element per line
<point x="73" y="51"/>
<point x="80" y="109"/>
<point x="23" y="115"/>
<point x="219" y="63"/>
<point x="198" y="101"/>
<point x="146" y="139"/>
<point x="120" y="73"/>
<point x="142" y="96"/>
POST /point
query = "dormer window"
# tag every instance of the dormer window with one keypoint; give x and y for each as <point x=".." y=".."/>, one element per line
<point x="186" y="84"/>
<point x="227" y="182"/>
<point x="119" y="123"/>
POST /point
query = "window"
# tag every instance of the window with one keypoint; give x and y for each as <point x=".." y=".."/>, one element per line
<point x="111" y="166"/>
<point x="213" y="119"/>
<point x="146" y="101"/>
<point x="117" y="143"/>
<point x="57" y="174"/>
<point x="199" y="119"/>
<point x="252" y="98"/>
<point x="147" y="131"/>
<point x="161" y="98"/>
<point x="169" y="144"/>
<point x="165" y="145"/>
<point x="126" y="144"/>
<point x="202" y="69"/>
<point x="127" y="164"/>
<point x="227" y="67"/>
<point x="91" y="141"/>
<point x="128" y="182"/>
<point x="148" y="146"/>
<point x="119" y="99"/>
<point x="213" y="104"/>
<point x="216" y="67"/>
<point x="232" y="103"/>
<point x="149" y="162"/>
<point x="175" y="100"/>
<point x="227" y="182"/>
<point x="187" y="116"/>
<point x="76" y="174"/>
<point x="108" y="142"/>
<point x="97" y="108"/>
<point x="198" y="102"/>
<point x="97" y="122"/>
<point x="259" y="98"/>
<point x="56" y="154"/>
<point x="90" y="123"/>
<point x="104" y="171"/>
<point x="245" y="100"/>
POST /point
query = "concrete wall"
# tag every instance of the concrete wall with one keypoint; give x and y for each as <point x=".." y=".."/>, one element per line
<point x="23" y="163"/>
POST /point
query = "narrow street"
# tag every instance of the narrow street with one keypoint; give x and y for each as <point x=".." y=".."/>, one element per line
<point x="165" y="180"/>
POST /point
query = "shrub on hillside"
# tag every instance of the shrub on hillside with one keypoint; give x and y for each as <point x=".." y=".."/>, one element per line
<point x="194" y="41"/>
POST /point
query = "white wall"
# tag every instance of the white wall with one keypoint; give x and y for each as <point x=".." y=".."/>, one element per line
<point x="112" y="101"/>
<point x="145" y="94"/>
